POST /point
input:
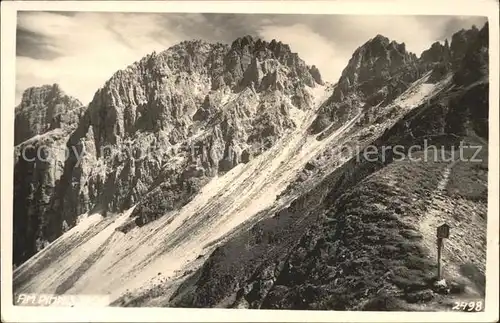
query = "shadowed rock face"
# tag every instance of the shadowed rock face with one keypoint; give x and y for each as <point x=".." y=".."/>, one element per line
<point x="158" y="130"/>
<point x="436" y="53"/>
<point x="356" y="241"/>
<point x="43" y="122"/>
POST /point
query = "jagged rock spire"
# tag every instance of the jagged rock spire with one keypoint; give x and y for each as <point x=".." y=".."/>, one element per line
<point x="43" y="108"/>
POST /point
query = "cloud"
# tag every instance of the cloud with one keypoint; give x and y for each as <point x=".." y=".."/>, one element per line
<point x="417" y="32"/>
<point x="90" y="47"/>
<point x="328" y="41"/>
<point x="405" y="29"/>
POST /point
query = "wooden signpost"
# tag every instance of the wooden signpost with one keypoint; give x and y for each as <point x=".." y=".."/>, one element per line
<point x="443" y="232"/>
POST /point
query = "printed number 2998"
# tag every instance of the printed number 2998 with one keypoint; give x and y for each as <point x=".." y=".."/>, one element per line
<point x="474" y="306"/>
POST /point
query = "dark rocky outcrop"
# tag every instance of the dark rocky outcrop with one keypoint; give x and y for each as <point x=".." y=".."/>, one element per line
<point x="316" y="74"/>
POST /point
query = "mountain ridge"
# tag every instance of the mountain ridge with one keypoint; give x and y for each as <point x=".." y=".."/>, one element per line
<point x="253" y="119"/>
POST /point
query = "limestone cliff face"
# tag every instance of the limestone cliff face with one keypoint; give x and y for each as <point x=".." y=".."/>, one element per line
<point x="437" y="52"/>
<point x="158" y="130"/>
<point x="377" y="61"/>
<point x="189" y="113"/>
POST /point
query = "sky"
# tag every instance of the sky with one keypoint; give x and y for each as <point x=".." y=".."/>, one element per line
<point x="81" y="50"/>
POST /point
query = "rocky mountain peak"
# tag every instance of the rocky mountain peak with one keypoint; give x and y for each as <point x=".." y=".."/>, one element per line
<point x="163" y="90"/>
<point x="443" y="58"/>
<point x="43" y="108"/>
<point x="474" y="65"/>
<point x="201" y="109"/>
<point x="378" y="40"/>
<point x="375" y="63"/>
<point x="452" y="52"/>
<point x="266" y="57"/>
<point x="243" y="41"/>
<point x="437" y="52"/>
<point x="379" y="45"/>
<point x="257" y="45"/>
<point x="158" y="157"/>
<point x="377" y="72"/>
<point x="40" y="94"/>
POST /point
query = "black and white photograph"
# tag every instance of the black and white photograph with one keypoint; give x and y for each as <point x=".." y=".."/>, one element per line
<point x="324" y="162"/>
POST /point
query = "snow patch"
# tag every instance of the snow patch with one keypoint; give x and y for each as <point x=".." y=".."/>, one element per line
<point x="84" y="222"/>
